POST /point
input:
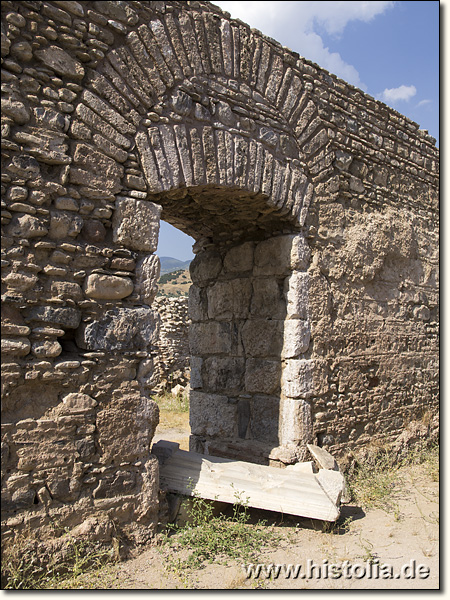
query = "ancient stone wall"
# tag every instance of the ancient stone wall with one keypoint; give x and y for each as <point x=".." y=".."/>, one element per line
<point x="314" y="210"/>
<point x="248" y="339"/>
<point x="171" y="366"/>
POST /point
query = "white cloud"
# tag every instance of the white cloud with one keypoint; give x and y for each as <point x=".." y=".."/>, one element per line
<point x="401" y="93"/>
<point x="423" y="103"/>
<point x="297" y="25"/>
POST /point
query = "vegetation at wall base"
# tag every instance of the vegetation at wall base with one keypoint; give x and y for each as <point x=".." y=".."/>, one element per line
<point x="24" y="567"/>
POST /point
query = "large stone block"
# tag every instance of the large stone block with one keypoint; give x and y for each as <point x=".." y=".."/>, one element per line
<point x="295" y="421"/>
<point x="21" y="282"/>
<point x="280" y="255"/>
<point x="61" y="62"/>
<point x="121" y="329"/>
<point x="198" y="306"/>
<point x="63" y="225"/>
<point x="196" y="381"/>
<point x="239" y="259"/>
<point x="65" y="317"/>
<point x="267" y="299"/>
<point x="136" y="224"/>
<point x="265" y="416"/>
<point x="262" y="338"/>
<point x="223" y="374"/>
<point x="126" y="427"/>
<point x="262" y="376"/>
<point x="297" y="335"/>
<point x="229" y="299"/>
<point x="27" y="227"/>
<point x="107" y="287"/>
<point x="66" y="289"/>
<point x="212" y="415"/>
<point x="298" y="379"/>
<point x="297" y="295"/>
<point x="205" y="267"/>
<point x="210" y="338"/>
<point x="97" y="163"/>
<point x="147" y="276"/>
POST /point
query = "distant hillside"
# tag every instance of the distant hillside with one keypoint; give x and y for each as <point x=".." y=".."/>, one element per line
<point x="175" y="283"/>
<point x="169" y="264"/>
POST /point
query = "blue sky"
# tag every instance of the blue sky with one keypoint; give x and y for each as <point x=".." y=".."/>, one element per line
<point x="388" y="49"/>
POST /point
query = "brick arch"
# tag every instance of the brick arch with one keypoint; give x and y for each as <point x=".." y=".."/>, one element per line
<point x="207" y="101"/>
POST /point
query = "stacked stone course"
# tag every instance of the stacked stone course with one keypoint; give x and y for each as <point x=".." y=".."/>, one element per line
<point x="173" y="358"/>
<point x="115" y="115"/>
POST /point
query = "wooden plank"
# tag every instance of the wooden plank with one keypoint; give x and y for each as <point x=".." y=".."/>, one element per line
<point x="290" y="491"/>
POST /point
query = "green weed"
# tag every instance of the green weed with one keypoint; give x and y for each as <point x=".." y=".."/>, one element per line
<point x="208" y="538"/>
<point x="169" y="403"/>
<point x="24" y="567"/>
<point x="373" y="483"/>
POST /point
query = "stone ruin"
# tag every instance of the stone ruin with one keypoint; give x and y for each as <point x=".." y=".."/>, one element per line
<point x="171" y="365"/>
<point x="314" y="207"/>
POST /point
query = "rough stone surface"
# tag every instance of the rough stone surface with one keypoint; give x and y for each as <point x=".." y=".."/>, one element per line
<point x="136" y="224"/>
<point x="314" y="208"/>
<point x="107" y="287"/>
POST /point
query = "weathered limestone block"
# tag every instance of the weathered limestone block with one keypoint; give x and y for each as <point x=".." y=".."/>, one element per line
<point x="136" y="224"/>
<point x="120" y="329"/>
<point x="262" y="376"/>
<point x="64" y="225"/>
<point x="297" y="335"/>
<point x="262" y="338"/>
<point x="67" y="289"/>
<point x="24" y="166"/>
<point x="46" y="349"/>
<point x="76" y="403"/>
<point x="126" y="427"/>
<point x="210" y="338"/>
<point x="147" y="275"/>
<point x="16" y="193"/>
<point x="297" y="296"/>
<point x="296" y="423"/>
<point x="16" y="346"/>
<point x="239" y="258"/>
<point x="265" y="415"/>
<point x="51" y="118"/>
<point x="61" y="62"/>
<point x="21" y="282"/>
<point x="267" y="299"/>
<point x="27" y="227"/>
<point x="66" y="317"/>
<point x="223" y="374"/>
<point x="212" y="415"/>
<point x="279" y="255"/>
<point x="16" y="110"/>
<point x="195" y="379"/>
<point x="98" y="164"/>
<point x="107" y="287"/>
<point x="298" y="378"/>
<point x="198" y="306"/>
<point x="205" y="267"/>
<point x="229" y="299"/>
<point x="119" y="483"/>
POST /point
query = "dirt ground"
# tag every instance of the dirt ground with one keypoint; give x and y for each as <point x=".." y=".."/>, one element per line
<point x="377" y="544"/>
